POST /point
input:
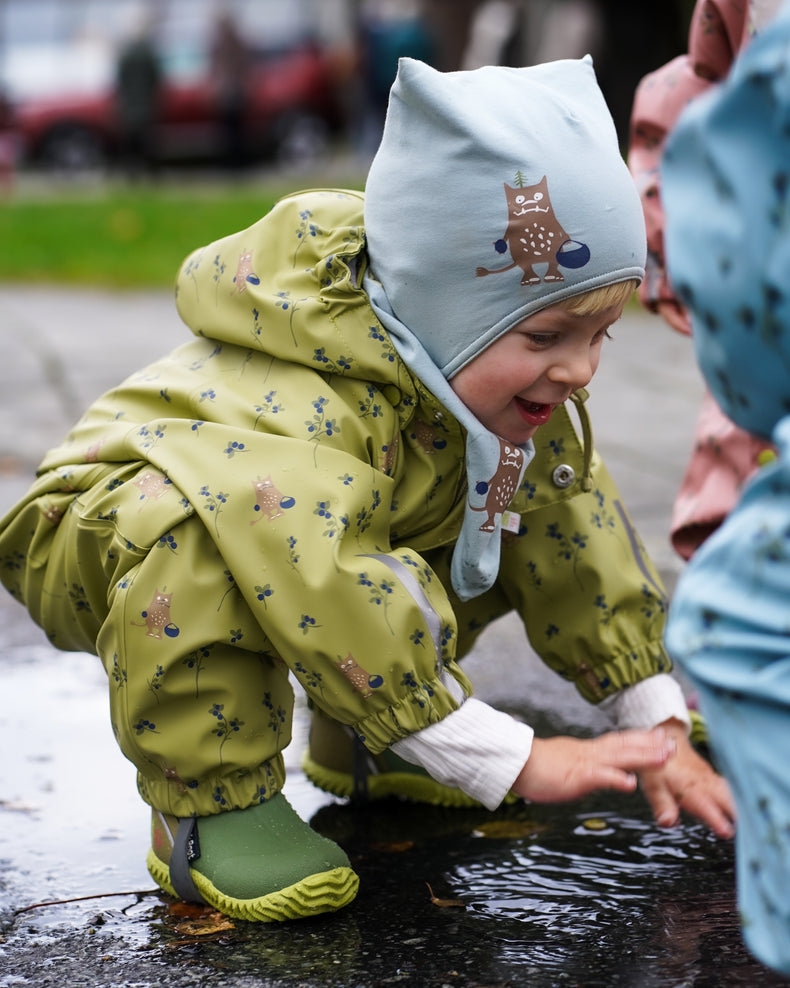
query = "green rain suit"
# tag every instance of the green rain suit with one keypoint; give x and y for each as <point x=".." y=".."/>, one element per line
<point x="281" y="494"/>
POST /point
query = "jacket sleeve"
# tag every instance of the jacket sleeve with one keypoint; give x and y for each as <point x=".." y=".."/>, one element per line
<point x="729" y="633"/>
<point x="591" y="600"/>
<point x="729" y="627"/>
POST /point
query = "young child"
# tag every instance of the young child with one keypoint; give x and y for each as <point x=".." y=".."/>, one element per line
<point x="725" y="178"/>
<point x="723" y="456"/>
<point x="321" y="483"/>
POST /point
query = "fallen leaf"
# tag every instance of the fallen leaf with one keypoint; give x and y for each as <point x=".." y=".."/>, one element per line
<point x="445" y="903"/>
<point x="205" y="926"/>
<point x="392" y="847"/>
<point x="502" y="829"/>
<point x="189" y="910"/>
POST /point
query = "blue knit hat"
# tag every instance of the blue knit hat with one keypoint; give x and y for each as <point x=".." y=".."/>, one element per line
<point x="495" y="193"/>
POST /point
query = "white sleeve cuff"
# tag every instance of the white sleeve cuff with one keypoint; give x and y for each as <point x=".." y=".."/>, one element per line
<point x="476" y="748"/>
<point x="646" y="704"/>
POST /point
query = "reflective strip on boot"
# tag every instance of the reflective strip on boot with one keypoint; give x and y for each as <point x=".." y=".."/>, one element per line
<point x="186" y="848"/>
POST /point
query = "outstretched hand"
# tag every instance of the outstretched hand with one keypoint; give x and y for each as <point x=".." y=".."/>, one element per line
<point x="687" y="782"/>
<point x="564" y="768"/>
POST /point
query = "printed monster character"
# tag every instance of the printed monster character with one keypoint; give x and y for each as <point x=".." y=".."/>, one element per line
<point x="170" y="772"/>
<point x="244" y="273"/>
<point x="502" y="487"/>
<point x="534" y="235"/>
<point x="361" y="680"/>
<point x="152" y="486"/>
<point x="53" y="514"/>
<point x="92" y="452"/>
<point x="427" y="437"/>
<point x="157" y="616"/>
<point x="390" y="452"/>
<point x="269" y="501"/>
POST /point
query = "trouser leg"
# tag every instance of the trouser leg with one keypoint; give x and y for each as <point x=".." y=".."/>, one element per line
<point x="199" y="701"/>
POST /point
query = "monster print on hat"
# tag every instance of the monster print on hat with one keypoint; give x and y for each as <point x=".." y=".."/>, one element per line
<point x="437" y="222"/>
<point x="534" y="236"/>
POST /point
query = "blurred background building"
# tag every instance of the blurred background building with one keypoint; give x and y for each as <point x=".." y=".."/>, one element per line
<point x="85" y="83"/>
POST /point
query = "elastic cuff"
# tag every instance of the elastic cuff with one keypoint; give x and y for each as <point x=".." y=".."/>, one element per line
<point x="476" y="749"/>
<point x="215" y="793"/>
<point x="646" y="704"/>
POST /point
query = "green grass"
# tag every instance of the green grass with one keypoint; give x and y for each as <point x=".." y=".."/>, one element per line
<point x="127" y="236"/>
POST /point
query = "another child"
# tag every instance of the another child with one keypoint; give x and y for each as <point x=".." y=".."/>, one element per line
<point x="723" y="456"/>
<point x="726" y="178"/>
<point x="321" y="484"/>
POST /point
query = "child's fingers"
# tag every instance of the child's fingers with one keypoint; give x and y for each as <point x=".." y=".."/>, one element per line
<point x="620" y="755"/>
<point x="635" y="750"/>
<point x="676" y="316"/>
<point x="688" y="783"/>
<point x="665" y="807"/>
<point x="712" y="805"/>
<point x="613" y="778"/>
<point x="565" y="768"/>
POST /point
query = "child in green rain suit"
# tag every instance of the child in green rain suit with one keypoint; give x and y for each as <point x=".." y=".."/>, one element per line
<point x="331" y="481"/>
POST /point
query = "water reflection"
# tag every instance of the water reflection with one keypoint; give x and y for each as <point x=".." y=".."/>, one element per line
<point x="592" y="876"/>
<point x="590" y="893"/>
<point x="620" y="902"/>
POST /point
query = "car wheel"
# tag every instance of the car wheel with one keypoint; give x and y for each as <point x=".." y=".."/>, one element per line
<point x="73" y="148"/>
<point x="300" y="139"/>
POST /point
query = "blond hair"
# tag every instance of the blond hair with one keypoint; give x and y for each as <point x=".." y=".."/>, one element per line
<point x="588" y="303"/>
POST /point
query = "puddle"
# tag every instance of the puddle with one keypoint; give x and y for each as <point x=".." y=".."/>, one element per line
<point x="588" y="894"/>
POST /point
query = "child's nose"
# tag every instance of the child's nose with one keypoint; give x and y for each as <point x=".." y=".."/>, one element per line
<point x="574" y="367"/>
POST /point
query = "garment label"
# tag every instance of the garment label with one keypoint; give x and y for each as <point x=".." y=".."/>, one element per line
<point x="193" y="843"/>
<point x="511" y="521"/>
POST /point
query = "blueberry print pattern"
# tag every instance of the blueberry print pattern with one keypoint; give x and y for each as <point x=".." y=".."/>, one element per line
<point x="728" y="625"/>
<point x="281" y="496"/>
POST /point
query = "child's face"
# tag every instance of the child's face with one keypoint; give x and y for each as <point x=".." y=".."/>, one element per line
<point x="515" y="384"/>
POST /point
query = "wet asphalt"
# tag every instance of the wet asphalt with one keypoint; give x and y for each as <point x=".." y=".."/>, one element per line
<point x="77" y="906"/>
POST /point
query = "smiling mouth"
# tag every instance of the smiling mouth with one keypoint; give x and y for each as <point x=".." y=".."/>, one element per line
<point x="536" y="413"/>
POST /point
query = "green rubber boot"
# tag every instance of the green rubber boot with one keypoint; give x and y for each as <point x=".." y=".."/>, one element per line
<point x="263" y="863"/>
<point x="337" y="762"/>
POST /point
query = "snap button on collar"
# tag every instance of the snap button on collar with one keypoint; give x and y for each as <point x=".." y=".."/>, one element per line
<point x="563" y="475"/>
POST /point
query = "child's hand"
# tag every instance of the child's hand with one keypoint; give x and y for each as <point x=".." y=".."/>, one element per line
<point x="677" y="317"/>
<point x="687" y="782"/>
<point x="566" y="768"/>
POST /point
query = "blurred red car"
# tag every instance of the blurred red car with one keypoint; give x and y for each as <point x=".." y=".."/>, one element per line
<point x="291" y="113"/>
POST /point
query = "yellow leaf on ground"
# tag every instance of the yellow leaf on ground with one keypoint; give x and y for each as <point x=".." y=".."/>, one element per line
<point x="502" y="829"/>
<point x="205" y="926"/>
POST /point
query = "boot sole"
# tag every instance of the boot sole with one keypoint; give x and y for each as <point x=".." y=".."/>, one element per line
<point x="323" y="892"/>
<point x="403" y="785"/>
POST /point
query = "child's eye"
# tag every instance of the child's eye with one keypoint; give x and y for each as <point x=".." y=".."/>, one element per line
<point x="541" y="339"/>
